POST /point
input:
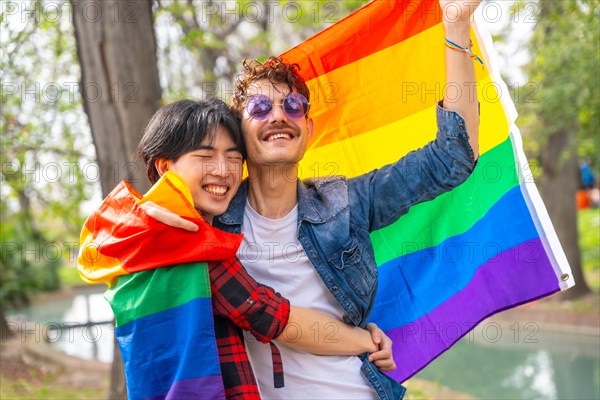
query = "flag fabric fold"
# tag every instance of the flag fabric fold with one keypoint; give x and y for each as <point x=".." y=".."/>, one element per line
<point x="486" y="246"/>
<point x="117" y="237"/>
<point x="159" y="289"/>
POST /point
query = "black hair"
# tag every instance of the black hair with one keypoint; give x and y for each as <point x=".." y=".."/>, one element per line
<point x="181" y="127"/>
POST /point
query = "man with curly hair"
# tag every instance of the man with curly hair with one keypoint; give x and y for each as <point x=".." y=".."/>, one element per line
<point x="311" y="239"/>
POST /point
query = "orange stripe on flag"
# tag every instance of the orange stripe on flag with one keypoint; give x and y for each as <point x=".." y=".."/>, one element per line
<point x="365" y="95"/>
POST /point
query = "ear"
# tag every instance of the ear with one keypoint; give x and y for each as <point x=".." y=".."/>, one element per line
<point x="162" y="165"/>
<point x="309" y="127"/>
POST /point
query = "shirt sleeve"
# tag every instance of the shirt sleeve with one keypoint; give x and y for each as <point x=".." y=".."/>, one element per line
<point x="252" y="306"/>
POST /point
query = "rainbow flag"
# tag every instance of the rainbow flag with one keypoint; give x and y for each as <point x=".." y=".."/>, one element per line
<point x="164" y="321"/>
<point x="486" y="246"/>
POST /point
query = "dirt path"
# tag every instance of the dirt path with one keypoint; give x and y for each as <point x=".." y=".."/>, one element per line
<point x="36" y="367"/>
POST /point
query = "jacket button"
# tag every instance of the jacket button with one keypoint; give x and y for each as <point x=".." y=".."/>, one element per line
<point x="334" y="288"/>
<point x="366" y="369"/>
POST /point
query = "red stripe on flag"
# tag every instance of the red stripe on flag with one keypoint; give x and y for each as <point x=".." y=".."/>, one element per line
<point x="388" y="23"/>
<point x="124" y="231"/>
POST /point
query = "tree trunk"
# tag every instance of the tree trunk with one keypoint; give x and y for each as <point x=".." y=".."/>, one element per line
<point x="121" y="90"/>
<point x="559" y="185"/>
<point x="118" y="386"/>
<point x="4" y="330"/>
<point x="119" y="82"/>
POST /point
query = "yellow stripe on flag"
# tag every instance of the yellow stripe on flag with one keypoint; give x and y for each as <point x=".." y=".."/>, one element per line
<point x="95" y="267"/>
<point x="363" y="153"/>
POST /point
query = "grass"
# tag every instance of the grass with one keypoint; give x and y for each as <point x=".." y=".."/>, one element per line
<point x="22" y="389"/>
<point x="18" y="381"/>
<point x="589" y="242"/>
<point x="416" y="394"/>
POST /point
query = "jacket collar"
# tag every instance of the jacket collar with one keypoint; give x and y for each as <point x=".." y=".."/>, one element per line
<point x="310" y="209"/>
<point x="235" y="212"/>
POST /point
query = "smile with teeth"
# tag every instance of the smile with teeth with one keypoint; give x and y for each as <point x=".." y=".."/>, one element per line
<point x="217" y="190"/>
<point x="276" y="136"/>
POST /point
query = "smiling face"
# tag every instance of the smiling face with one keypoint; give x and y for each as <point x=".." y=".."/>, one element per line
<point x="213" y="172"/>
<point x="278" y="139"/>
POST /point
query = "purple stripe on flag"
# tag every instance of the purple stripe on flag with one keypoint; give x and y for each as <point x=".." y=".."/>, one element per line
<point x="511" y="278"/>
<point x="204" y="387"/>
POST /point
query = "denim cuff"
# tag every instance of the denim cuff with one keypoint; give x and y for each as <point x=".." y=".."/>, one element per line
<point x="452" y="124"/>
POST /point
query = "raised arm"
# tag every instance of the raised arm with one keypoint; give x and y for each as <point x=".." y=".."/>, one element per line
<point x="382" y="196"/>
<point x="460" y="68"/>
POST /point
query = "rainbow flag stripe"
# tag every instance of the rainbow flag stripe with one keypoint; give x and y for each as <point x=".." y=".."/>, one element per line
<point x="159" y="290"/>
<point x="165" y="332"/>
<point x="488" y="245"/>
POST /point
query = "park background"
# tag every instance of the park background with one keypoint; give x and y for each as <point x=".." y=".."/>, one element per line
<point x="79" y="79"/>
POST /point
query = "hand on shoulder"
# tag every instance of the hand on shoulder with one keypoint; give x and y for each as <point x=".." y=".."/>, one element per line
<point x="167" y="217"/>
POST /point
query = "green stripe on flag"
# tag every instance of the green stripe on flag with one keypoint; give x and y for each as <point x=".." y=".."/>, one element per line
<point x="494" y="175"/>
<point x="144" y="293"/>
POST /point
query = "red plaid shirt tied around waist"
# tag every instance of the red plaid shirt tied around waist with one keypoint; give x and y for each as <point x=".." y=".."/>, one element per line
<point x="239" y="302"/>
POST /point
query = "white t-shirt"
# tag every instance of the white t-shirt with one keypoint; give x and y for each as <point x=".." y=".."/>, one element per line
<point x="272" y="254"/>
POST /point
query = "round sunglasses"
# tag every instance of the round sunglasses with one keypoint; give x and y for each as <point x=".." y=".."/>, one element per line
<point x="294" y="105"/>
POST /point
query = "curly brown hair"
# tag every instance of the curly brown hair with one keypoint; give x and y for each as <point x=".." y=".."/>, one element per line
<point x="275" y="70"/>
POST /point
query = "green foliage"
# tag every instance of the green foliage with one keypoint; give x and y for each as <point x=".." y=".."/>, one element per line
<point x="69" y="276"/>
<point x="565" y="65"/>
<point x="43" y="142"/>
<point x="28" y="263"/>
<point x="201" y="44"/>
<point x="312" y="16"/>
<point x="589" y="241"/>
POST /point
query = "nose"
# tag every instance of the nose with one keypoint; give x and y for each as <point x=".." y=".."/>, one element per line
<point x="277" y="114"/>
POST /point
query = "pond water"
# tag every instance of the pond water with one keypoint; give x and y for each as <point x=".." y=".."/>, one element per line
<point x="512" y="363"/>
<point x="522" y="361"/>
<point x="87" y="305"/>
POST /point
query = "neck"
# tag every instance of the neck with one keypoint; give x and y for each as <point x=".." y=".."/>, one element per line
<point x="207" y="218"/>
<point x="272" y="189"/>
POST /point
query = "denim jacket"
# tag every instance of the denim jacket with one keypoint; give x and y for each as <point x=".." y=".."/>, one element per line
<point x="336" y="216"/>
